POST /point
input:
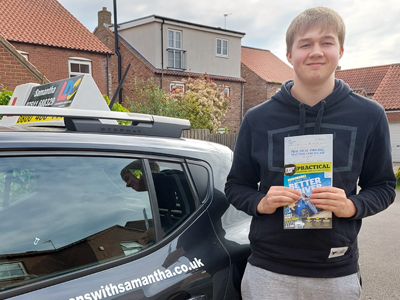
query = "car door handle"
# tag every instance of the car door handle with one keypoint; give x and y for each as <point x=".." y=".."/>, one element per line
<point x="199" y="297"/>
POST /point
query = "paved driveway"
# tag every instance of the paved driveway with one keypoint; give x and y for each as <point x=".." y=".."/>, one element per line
<point x="379" y="243"/>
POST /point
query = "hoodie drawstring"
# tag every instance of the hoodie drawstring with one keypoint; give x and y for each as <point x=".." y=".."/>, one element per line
<point x="318" y="120"/>
<point x="302" y="119"/>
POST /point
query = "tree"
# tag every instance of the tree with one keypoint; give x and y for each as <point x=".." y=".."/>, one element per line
<point x="204" y="102"/>
<point x="152" y="100"/>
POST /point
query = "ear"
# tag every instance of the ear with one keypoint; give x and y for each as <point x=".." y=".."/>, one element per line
<point x="289" y="57"/>
<point x="341" y="52"/>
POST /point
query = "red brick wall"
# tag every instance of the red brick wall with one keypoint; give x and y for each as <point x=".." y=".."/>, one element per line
<point x="393" y="117"/>
<point x="233" y="117"/>
<point x="53" y="62"/>
<point x="137" y="69"/>
<point x="12" y="73"/>
<point x="256" y="89"/>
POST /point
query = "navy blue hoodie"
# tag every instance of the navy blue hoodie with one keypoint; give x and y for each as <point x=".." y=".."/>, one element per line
<point x="361" y="154"/>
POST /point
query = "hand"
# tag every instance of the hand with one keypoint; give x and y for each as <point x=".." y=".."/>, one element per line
<point x="147" y="237"/>
<point x="277" y="196"/>
<point x="334" y="200"/>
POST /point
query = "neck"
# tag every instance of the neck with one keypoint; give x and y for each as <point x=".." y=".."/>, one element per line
<point x="312" y="94"/>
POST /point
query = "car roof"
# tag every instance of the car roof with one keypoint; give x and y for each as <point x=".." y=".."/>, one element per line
<point x="84" y="130"/>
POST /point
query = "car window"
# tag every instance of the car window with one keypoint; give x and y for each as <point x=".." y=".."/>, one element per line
<point x="62" y="213"/>
<point x="174" y="196"/>
<point x="201" y="180"/>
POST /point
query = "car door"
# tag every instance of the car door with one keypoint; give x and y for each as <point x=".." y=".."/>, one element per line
<point x="74" y="227"/>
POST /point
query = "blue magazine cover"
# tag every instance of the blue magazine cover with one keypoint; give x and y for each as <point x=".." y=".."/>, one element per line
<point x="308" y="164"/>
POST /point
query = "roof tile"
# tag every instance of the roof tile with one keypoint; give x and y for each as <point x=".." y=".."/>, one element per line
<point x="388" y="92"/>
<point x="45" y="22"/>
<point x="266" y="65"/>
<point x="368" y="78"/>
<point x="381" y="83"/>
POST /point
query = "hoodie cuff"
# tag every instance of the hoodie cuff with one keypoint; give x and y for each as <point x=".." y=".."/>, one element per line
<point x="254" y="204"/>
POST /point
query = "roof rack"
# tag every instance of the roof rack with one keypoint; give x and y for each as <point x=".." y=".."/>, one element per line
<point x="82" y="120"/>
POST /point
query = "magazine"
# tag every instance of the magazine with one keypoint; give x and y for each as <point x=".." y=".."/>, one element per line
<point x="308" y="164"/>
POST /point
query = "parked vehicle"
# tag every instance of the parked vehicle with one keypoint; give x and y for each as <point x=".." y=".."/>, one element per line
<point x="105" y="211"/>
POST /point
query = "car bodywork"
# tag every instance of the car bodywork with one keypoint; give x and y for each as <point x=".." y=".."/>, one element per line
<point x="202" y="258"/>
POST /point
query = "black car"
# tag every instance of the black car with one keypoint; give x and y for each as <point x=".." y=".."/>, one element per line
<point x="105" y="211"/>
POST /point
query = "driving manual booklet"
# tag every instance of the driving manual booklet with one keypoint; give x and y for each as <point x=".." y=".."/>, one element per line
<point x="308" y="164"/>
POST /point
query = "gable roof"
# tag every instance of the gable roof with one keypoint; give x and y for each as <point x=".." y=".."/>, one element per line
<point x="388" y="92"/>
<point x="368" y="78"/>
<point x="23" y="62"/>
<point x="266" y="65"/>
<point x="381" y="83"/>
<point x="45" y="22"/>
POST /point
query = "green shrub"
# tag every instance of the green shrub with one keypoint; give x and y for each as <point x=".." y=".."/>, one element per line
<point x="117" y="107"/>
<point x="5" y="95"/>
<point x="398" y="179"/>
<point x="152" y="100"/>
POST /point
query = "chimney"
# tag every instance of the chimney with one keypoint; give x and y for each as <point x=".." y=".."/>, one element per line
<point x="338" y="68"/>
<point x="104" y="16"/>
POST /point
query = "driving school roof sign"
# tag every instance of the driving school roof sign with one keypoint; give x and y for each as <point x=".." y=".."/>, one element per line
<point x="56" y="94"/>
<point x="80" y="92"/>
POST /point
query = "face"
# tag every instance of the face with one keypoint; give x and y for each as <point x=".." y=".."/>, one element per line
<point x="315" y="56"/>
<point x="133" y="182"/>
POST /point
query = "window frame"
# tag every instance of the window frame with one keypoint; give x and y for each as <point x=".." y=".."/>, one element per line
<point x="174" y="49"/>
<point x="21" y="267"/>
<point x="176" y="83"/>
<point x="222" y="54"/>
<point x="24" y="54"/>
<point x="80" y="61"/>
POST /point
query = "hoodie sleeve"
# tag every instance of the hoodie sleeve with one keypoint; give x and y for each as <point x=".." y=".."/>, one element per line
<point x="241" y="187"/>
<point x="377" y="179"/>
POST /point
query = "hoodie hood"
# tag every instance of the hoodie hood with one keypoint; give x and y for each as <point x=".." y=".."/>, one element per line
<point x="340" y="92"/>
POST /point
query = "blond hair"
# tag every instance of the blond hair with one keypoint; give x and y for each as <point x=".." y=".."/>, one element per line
<point x="137" y="165"/>
<point x="325" y="17"/>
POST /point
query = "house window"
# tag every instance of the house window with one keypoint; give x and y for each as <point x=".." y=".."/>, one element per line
<point x="79" y="66"/>
<point x="176" y="84"/>
<point x="227" y="91"/>
<point x="175" y="52"/>
<point x="222" y="47"/>
<point x="24" y="54"/>
<point x="11" y="270"/>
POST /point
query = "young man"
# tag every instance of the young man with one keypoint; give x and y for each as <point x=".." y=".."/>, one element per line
<point x="311" y="263"/>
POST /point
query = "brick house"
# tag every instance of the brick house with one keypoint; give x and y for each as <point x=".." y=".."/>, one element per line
<point x="15" y="69"/>
<point x="169" y="50"/>
<point x="46" y="43"/>
<point x="264" y="74"/>
<point x="380" y="83"/>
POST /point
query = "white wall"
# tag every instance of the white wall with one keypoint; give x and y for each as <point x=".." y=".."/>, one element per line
<point x="198" y="42"/>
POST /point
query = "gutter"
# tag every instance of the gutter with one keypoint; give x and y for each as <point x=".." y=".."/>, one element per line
<point x="117" y="49"/>
<point x="162" y="53"/>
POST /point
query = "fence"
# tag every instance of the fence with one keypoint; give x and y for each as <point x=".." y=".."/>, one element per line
<point x="227" y="139"/>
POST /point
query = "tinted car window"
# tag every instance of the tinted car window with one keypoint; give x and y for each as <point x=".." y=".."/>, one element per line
<point x="201" y="180"/>
<point x="174" y="196"/>
<point x="63" y="213"/>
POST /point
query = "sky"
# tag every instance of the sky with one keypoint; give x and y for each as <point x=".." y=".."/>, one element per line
<point x="372" y="26"/>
